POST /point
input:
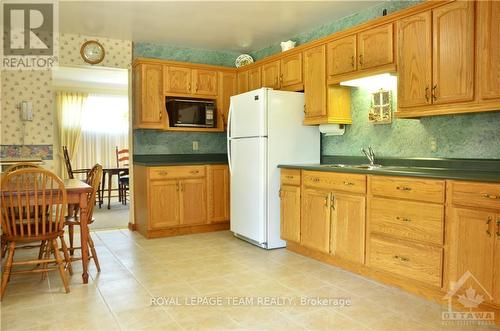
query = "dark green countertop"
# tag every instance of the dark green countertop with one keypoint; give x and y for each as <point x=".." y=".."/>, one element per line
<point x="179" y="159"/>
<point x="461" y="169"/>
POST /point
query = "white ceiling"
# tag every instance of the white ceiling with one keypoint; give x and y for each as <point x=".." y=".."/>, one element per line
<point x="225" y="25"/>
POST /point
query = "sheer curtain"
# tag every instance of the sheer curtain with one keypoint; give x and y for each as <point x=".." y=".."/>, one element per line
<point x="104" y="126"/>
<point x="70" y="108"/>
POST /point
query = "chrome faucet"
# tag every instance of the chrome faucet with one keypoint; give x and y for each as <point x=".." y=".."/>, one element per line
<point x="370" y="155"/>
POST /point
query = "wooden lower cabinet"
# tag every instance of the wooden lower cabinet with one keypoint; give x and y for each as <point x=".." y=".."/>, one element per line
<point x="173" y="200"/>
<point x="164" y="202"/>
<point x="290" y="213"/>
<point x="315" y="219"/>
<point x="347" y="228"/>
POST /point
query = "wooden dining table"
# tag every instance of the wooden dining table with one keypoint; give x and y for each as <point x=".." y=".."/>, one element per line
<point x="77" y="192"/>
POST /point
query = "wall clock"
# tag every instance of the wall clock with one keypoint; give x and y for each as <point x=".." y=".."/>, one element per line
<point x="92" y="52"/>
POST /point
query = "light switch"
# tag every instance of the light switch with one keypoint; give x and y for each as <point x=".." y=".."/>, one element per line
<point x="195" y="145"/>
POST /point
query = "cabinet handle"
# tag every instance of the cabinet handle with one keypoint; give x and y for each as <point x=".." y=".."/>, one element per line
<point x="498" y="228"/>
<point x="281" y="78"/>
<point x="305" y="109"/>
<point x="327" y="200"/>
<point x="491" y="196"/>
<point x="177" y="185"/>
<point x="403" y="188"/>
<point x="276" y="81"/>
<point x="279" y="194"/>
<point x="488" y="222"/>
<point x="401" y="258"/>
<point x="352" y="61"/>
<point x="434" y="98"/>
<point x="348" y="183"/>
<point x="427" y="94"/>
<point x="182" y="187"/>
<point x="194" y="172"/>
<point x="196" y="87"/>
<point x="332" y="201"/>
<point x="162" y="172"/>
<point x="316" y="180"/>
<point x="404" y="219"/>
<point x="361" y="59"/>
<point x="189" y="87"/>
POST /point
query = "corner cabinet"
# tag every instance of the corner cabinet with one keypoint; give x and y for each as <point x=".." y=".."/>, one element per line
<point x="149" y="108"/>
<point x="173" y="200"/>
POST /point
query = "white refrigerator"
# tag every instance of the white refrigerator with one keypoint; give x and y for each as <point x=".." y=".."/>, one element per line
<point x="264" y="129"/>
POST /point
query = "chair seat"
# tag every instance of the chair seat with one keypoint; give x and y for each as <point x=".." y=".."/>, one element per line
<point x="71" y="220"/>
<point x="124" y="180"/>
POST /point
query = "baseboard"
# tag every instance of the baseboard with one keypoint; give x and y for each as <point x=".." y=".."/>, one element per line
<point x="183" y="230"/>
<point x="132" y="226"/>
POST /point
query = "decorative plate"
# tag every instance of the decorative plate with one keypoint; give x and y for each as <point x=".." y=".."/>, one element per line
<point x="243" y="60"/>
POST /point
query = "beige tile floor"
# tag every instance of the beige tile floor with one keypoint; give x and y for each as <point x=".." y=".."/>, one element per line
<point x="136" y="271"/>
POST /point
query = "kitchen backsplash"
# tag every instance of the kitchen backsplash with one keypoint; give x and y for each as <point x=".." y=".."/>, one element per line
<point x="159" y="142"/>
<point x="456" y="136"/>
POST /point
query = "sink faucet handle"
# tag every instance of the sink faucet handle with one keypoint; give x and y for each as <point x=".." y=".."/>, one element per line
<point x="372" y="154"/>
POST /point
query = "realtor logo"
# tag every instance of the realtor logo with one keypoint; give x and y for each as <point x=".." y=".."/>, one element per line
<point x="28" y="29"/>
<point x="470" y="293"/>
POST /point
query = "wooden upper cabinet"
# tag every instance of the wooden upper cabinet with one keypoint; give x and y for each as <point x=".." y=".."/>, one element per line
<point x="164" y="204"/>
<point x="243" y="82"/>
<point x="315" y="83"/>
<point x="453" y="52"/>
<point x="375" y="47"/>
<point x="342" y="56"/>
<point x="290" y="213"/>
<point x="489" y="49"/>
<point x="315" y="221"/>
<point x="472" y="247"/>
<point x="177" y="79"/>
<point x="218" y="193"/>
<point x="149" y="105"/>
<point x="254" y="79"/>
<point x="205" y="82"/>
<point x="271" y="75"/>
<point x="415" y="60"/>
<point x="193" y="201"/>
<point x="291" y="70"/>
<point x="228" y="86"/>
<point x="347" y="232"/>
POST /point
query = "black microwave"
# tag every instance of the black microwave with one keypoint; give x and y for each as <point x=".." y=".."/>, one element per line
<point x="194" y="113"/>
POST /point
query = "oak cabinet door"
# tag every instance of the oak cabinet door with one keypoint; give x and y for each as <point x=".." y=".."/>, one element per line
<point x="472" y="247"/>
<point x="342" y="56"/>
<point x="149" y="105"/>
<point x="177" y="79"/>
<point x="218" y="193"/>
<point x="347" y="231"/>
<point x="228" y="86"/>
<point x="375" y="47"/>
<point x="415" y="60"/>
<point x="315" y="221"/>
<point x="290" y="213"/>
<point x="164" y="204"/>
<point x="489" y="49"/>
<point x="205" y="82"/>
<point x="315" y="82"/>
<point x="193" y="201"/>
<point x="271" y="75"/>
<point x="254" y="79"/>
<point x="243" y="82"/>
<point x="291" y="70"/>
<point x="453" y="52"/>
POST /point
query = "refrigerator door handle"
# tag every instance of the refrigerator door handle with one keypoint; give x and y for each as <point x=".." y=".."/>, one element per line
<point x="229" y="137"/>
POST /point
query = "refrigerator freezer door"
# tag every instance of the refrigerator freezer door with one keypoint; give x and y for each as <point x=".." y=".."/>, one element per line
<point x="249" y="188"/>
<point x="248" y="114"/>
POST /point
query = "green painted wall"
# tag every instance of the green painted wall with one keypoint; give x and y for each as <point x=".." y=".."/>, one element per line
<point x="457" y="136"/>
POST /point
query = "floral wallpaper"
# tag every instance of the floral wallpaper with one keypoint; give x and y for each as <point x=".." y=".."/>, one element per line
<point x="36" y="138"/>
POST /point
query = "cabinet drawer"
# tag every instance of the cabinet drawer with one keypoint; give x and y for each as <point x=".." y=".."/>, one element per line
<point x="475" y="194"/>
<point x="408" y="188"/>
<point x="176" y="172"/>
<point x="290" y="176"/>
<point x="419" y="262"/>
<point x="407" y="220"/>
<point x="335" y="181"/>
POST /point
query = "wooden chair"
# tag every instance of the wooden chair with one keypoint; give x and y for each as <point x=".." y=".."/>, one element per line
<point x="14" y="167"/>
<point x="33" y="204"/>
<point x="94" y="180"/>
<point x="122" y="161"/>
<point x="69" y="168"/>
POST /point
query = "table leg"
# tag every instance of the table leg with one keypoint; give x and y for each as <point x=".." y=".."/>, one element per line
<point x="84" y="235"/>
<point x="110" y="183"/>
<point x="103" y="185"/>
